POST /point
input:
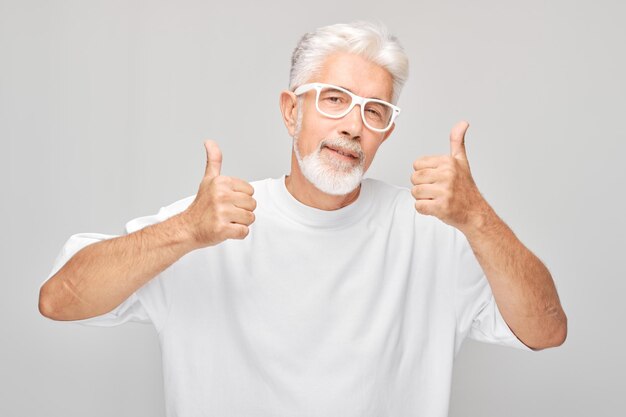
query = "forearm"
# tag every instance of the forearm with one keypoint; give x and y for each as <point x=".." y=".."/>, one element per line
<point x="522" y="286"/>
<point x="102" y="275"/>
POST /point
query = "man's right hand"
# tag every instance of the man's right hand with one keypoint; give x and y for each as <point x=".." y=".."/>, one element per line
<point x="100" y="276"/>
<point x="223" y="207"/>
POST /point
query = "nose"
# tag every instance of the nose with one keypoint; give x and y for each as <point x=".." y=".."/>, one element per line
<point x="351" y="125"/>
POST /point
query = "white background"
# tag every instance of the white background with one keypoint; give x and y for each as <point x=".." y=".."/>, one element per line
<point x="104" y="106"/>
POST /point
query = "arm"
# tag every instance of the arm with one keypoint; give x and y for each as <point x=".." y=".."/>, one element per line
<point x="102" y="275"/>
<point x="522" y="286"/>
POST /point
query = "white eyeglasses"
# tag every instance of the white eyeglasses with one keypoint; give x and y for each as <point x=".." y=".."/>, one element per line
<point x="335" y="102"/>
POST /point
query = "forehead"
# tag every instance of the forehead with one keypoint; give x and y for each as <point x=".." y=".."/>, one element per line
<point x="357" y="74"/>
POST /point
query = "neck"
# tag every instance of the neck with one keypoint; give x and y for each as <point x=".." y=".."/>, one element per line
<point x="306" y="193"/>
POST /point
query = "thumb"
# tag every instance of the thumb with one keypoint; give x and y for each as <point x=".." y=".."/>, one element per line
<point x="213" y="159"/>
<point x="457" y="140"/>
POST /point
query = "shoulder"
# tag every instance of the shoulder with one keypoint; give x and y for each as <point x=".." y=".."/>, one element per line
<point x="164" y="213"/>
<point x="261" y="186"/>
<point x="399" y="204"/>
<point x="388" y="194"/>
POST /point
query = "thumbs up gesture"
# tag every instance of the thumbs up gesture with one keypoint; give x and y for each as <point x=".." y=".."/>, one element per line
<point x="223" y="207"/>
<point x="443" y="185"/>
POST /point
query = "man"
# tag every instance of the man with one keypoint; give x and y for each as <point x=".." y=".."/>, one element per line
<point x="325" y="294"/>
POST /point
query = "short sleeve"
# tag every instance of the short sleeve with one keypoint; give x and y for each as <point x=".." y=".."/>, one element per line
<point x="149" y="304"/>
<point x="477" y="313"/>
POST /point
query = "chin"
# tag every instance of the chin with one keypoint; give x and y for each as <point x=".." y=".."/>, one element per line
<point x="332" y="181"/>
<point x="329" y="175"/>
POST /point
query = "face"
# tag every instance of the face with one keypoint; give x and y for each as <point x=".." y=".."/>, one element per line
<point x="334" y="154"/>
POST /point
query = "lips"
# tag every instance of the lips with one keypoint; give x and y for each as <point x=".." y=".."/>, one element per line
<point x="343" y="151"/>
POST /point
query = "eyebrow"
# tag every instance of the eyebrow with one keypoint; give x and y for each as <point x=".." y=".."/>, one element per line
<point x="346" y="88"/>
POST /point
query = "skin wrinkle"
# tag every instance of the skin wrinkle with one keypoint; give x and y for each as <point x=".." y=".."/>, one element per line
<point x="71" y="288"/>
<point x="344" y="177"/>
<point x="521" y="284"/>
<point x="103" y="274"/>
<point x="538" y="313"/>
<point x="365" y="79"/>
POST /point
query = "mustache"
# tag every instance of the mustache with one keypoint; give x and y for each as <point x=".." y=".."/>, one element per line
<point x="342" y="142"/>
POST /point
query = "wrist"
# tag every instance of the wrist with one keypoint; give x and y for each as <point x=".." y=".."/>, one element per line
<point x="181" y="232"/>
<point x="481" y="221"/>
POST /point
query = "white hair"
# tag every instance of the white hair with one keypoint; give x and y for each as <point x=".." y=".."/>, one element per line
<point x="368" y="40"/>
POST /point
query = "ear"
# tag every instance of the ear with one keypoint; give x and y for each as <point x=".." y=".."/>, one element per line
<point x="289" y="110"/>
<point x="388" y="133"/>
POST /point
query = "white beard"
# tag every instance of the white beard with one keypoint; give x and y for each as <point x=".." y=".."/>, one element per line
<point x="329" y="174"/>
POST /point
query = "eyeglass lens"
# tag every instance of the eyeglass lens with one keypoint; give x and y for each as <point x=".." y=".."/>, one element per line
<point x="335" y="102"/>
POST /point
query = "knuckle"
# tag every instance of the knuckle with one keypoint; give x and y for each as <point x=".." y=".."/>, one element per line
<point x="220" y="194"/>
<point x="420" y="162"/>
<point x="222" y="180"/>
<point x="220" y="213"/>
<point x="421" y="207"/>
<point x="243" y="231"/>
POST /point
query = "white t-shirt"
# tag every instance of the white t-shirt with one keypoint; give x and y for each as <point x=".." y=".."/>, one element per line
<point x="355" y="312"/>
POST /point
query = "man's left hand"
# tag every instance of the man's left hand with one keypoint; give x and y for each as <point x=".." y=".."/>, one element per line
<point x="443" y="186"/>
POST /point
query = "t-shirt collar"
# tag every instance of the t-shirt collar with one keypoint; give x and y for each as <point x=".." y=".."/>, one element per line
<point x="318" y="218"/>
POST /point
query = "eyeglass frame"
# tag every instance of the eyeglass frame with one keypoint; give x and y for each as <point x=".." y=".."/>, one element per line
<point x="356" y="99"/>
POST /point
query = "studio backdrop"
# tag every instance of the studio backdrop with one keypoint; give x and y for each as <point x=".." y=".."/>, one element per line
<point x="104" y="107"/>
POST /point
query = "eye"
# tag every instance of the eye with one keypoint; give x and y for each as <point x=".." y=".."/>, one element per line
<point x="334" y="99"/>
<point x="374" y="113"/>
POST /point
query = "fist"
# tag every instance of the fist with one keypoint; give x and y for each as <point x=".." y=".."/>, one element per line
<point x="223" y="207"/>
<point x="443" y="185"/>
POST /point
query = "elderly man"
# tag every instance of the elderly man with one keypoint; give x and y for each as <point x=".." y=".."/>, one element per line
<point x="318" y="293"/>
